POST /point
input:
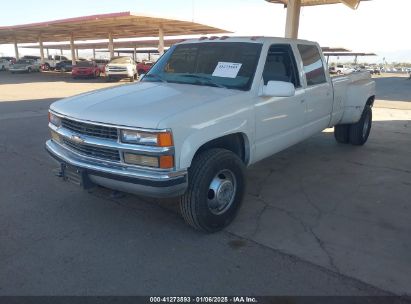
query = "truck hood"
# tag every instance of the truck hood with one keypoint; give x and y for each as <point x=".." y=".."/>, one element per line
<point x="143" y="104"/>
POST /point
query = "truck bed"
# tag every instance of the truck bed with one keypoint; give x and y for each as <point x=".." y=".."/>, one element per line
<point x="350" y="92"/>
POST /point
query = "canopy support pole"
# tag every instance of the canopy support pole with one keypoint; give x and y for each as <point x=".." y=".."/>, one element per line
<point x="77" y="53"/>
<point x="16" y="50"/>
<point x="41" y="50"/>
<point x="161" y="40"/>
<point x="73" y="53"/>
<point x="61" y="52"/>
<point x="94" y="54"/>
<point x="111" y="45"/>
<point x="293" y="19"/>
<point x="134" y="54"/>
<point x="47" y="53"/>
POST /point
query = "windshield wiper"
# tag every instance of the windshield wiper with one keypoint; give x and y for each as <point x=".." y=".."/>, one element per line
<point x="156" y="76"/>
<point x="208" y="80"/>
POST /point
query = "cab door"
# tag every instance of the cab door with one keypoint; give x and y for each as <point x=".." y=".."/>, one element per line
<point x="279" y="120"/>
<point x="318" y="91"/>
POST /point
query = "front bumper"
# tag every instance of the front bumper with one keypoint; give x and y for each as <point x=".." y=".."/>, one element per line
<point x="19" y="70"/>
<point x="118" y="74"/>
<point x="120" y="177"/>
<point x="83" y="74"/>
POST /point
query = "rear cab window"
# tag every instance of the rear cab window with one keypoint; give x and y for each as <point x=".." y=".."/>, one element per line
<point x="313" y="64"/>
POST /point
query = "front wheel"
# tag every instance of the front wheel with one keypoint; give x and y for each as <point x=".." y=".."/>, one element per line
<point x="215" y="190"/>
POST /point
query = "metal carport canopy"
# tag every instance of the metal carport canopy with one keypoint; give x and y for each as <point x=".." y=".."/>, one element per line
<point x="103" y="26"/>
<point x="103" y="45"/>
<point x="294" y="7"/>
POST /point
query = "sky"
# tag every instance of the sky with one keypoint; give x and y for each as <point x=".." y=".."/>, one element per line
<point x="379" y="26"/>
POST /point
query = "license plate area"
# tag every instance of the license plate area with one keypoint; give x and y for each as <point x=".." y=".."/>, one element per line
<point x="76" y="176"/>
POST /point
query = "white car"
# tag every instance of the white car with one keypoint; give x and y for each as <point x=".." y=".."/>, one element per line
<point x="203" y="113"/>
<point x="121" y="67"/>
<point x="344" y="69"/>
<point x="25" y="65"/>
<point x="4" y="64"/>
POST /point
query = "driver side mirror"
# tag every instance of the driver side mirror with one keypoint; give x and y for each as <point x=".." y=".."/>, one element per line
<point x="278" y="89"/>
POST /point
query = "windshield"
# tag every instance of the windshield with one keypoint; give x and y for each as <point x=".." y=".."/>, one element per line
<point x="229" y="64"/>
<point x="85" y="64"/>
<point x="121" y="60"/>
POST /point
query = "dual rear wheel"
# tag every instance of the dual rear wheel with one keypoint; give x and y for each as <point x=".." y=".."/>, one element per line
<point x="356" y="134"/>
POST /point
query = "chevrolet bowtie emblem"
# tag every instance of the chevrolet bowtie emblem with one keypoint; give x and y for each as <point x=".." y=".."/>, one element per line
<point x="77" y="139"/>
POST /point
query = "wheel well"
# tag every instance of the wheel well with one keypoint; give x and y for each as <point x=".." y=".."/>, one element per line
<point x="235" y="143"/>
<point x="370" y="101"/>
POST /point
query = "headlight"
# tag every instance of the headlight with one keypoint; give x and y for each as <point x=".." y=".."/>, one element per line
<point x="161" y="139"/>
<point x="54" y="119"/>
<point x="55" y="136"/>
<point x="163" y="161"/>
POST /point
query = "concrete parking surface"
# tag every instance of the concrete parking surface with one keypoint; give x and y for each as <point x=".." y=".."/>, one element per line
<point x="318" y="219"/>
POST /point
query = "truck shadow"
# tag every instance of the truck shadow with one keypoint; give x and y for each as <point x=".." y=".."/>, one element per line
<point x="322" y="166"/>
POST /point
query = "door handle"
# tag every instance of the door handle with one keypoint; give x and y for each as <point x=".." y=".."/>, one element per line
<point x="302" y="100"/>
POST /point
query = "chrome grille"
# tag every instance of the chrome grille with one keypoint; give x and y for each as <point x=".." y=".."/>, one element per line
<point x="92" y="151"/>
<point x="89" y="129"/>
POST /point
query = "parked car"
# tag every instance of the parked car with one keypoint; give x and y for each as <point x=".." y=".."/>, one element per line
<point x="144" y="67"/>
<point x="344" y="69"/>
<point x="25" y="65"/>
<point x="52" y="60"/>
<point x="121" y="67"/>
<point x="85" y="69"/>
<point x="377" y="71"/>
<point x="12" y="60"/>
<point x="4" y="64"/>
<point x="102" y="64"/>
<point x="37" y="59"/>
<point x="64" y="66"/>
<point x="191" y="126"/>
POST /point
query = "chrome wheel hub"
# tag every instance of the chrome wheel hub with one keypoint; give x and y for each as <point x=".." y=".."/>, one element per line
<point x="221" y="192"/>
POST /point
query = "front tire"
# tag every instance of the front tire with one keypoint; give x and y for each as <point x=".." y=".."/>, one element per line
<point x="215" y="190"/>
<point x="360" y="131"/>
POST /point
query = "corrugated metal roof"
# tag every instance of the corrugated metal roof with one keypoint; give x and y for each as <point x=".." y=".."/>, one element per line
<point x="121" y="25"/>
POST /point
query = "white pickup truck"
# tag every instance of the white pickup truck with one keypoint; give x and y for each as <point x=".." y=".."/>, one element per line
<point x="205" y="111"/>
<point x="51" y="61"/>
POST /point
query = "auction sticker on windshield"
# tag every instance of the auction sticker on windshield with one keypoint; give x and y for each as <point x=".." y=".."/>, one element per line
<point x="227" y="69"/>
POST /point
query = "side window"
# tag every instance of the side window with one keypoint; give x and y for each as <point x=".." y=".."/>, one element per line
<point x="280" y="65"/>
<point x="313" y="65"/>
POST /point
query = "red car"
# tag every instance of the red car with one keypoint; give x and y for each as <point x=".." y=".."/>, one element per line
<point x="144" y="67"/>
<point x="85" y="69"/>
